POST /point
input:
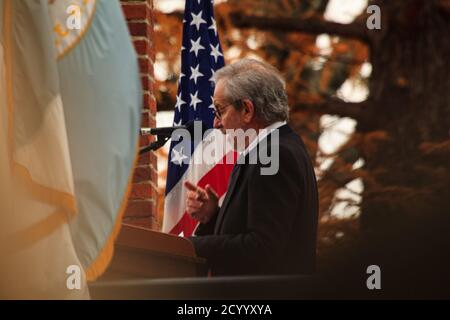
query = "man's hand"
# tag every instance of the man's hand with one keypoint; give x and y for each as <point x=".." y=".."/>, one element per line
<point x="201" y="204"/>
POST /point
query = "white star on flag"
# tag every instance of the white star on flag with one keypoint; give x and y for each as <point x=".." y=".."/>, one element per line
<point x="215" y="52"/>
<point x="180" y="102"/>
<point x="176" y="124"/>
<point x="195" y="73"/>
<point x="213" y="72"/>
<point x="195" y="100"/>
<point x="196" y="46"/>
<point x="178" y="156"/>
<point x="213" y="26"/>
<point x="197" y="20"/>
<point x="212" y="103"/>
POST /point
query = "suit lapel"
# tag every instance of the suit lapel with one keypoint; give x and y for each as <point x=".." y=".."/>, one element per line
<point x="234" y="178"/>
<point x="231" y="187"/>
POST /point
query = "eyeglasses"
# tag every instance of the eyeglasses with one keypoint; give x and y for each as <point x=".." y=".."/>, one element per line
<point x="217" y="112"/>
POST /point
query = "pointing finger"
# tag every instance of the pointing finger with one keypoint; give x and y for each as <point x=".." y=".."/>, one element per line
<point x="211" y="192"/>
<point x="190" y="186"/>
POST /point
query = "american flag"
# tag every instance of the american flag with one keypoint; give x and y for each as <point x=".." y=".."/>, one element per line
<point x="201" y="56"/>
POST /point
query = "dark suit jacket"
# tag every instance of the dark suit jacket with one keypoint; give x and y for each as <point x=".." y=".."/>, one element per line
<point x="267" y="223"/>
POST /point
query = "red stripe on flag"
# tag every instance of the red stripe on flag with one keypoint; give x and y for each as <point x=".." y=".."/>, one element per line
<point x="186" y="225"/>
<point x="217" y="178"/>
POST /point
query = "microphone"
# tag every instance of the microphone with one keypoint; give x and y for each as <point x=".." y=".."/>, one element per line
<point x="167" y="131"/>
<point x="163" y="134"/>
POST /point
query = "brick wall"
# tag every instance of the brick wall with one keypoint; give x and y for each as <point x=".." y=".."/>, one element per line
<point x="142" y="204"/>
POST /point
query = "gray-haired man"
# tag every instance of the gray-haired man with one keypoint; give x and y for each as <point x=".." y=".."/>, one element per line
<point x="267" y="224"/>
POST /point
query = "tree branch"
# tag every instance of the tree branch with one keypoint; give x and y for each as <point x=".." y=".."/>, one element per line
<point x="340" y="179"/>
<point x="342" y="60"/>
<point x="357" y="111"/>
<point x="308" y="25"/>
<point x="436" y="150"/>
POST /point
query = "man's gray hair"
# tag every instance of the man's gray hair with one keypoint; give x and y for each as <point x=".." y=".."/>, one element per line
<point x="260" y="83"/>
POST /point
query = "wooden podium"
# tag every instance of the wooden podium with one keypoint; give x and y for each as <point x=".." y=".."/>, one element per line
<point x="144" y="253"/>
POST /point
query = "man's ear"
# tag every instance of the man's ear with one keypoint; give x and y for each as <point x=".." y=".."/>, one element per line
<point x="248" y="110"/>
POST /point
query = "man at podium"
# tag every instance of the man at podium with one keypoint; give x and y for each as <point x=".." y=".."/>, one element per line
<point x="267" y="223"/>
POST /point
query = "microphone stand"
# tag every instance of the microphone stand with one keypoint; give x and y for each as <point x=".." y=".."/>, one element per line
<point x="160" y="141"/>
